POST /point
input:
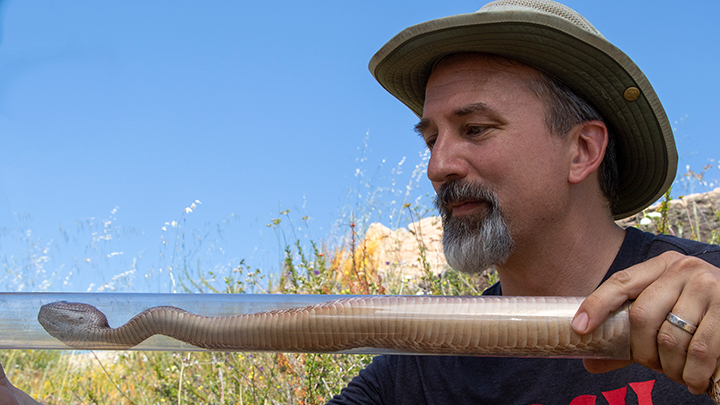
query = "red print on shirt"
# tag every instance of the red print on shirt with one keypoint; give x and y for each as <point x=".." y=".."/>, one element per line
<point x="643" y="391"/>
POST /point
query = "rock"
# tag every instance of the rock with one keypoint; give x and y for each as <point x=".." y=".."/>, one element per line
<point x="694" y="216"/>
<point x="408" y="250"/>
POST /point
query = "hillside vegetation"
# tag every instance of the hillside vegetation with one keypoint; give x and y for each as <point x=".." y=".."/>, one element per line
<point x="375" y="262"/>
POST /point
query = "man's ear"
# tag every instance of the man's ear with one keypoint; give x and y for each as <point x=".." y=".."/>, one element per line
<point x="588" y="141"/>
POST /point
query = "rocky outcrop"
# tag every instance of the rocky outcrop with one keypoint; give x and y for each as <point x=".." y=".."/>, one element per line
<point x="694" y="216"/>
<point x="408" y="251"/>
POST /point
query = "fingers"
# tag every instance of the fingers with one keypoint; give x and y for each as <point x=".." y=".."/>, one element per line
<point x="688" y="358"/>
<point x="689" y="288"/>
<point x="620" y="287"/>
<point x="672" y="345"/>
<point x="696" y="364"/>
<point x="651" y="335"/>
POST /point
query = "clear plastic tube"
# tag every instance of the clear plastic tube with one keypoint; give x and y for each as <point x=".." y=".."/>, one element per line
<point x="20" y="329"/>
<point x="495" y="326"/>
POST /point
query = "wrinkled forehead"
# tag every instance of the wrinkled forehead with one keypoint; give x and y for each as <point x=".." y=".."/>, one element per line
<point x="475" y="69"/>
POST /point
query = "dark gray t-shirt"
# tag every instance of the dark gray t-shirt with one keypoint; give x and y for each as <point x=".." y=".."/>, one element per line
<point x="414" y="380"/>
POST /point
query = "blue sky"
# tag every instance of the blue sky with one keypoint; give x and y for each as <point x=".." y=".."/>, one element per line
<point x="130" y="111"/>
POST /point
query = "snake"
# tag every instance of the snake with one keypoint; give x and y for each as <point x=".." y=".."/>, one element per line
<point x="441" y="325"/>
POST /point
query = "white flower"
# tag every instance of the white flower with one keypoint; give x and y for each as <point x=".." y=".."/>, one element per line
<point x="645" y="221"/>
<point x="654" y="215"/>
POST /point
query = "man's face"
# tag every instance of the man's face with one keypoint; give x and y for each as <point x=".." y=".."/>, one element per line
<point x="486" y="132"/>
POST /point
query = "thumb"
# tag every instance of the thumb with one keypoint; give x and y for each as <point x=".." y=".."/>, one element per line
<point x="11" y="395"/>
<point x="6" y="390"/>
<point x="3" y="378"/>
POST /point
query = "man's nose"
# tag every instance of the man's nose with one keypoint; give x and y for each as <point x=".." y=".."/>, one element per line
<point x="447" y="160"/>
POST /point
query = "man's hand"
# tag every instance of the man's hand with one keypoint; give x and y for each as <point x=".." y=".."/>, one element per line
<point x="686" y="286"/>
<point x="11" y="395"/>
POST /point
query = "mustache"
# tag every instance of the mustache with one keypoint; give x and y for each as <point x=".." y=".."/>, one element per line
<point x="458" y="191"/>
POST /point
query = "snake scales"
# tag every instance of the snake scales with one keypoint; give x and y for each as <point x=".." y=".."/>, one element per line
<point x="433" y="325"/>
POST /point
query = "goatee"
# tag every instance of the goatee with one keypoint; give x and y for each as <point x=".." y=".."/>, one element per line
<point x="475" y="242"/>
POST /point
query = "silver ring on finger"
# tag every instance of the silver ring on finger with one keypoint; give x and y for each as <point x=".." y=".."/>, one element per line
<point x="681" y="323"/>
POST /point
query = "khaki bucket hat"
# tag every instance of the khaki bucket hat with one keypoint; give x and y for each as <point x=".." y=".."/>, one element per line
<point x="559" y="41"/>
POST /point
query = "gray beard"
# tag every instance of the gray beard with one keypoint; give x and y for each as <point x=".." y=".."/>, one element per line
<point x="476" y="242"/>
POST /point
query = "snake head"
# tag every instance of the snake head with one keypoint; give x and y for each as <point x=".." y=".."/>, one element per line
<point x="67" y="321"/>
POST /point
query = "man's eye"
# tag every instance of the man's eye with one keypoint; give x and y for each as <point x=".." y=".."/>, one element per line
<point x="430" y="142"/>
<point x="475" y="129"/>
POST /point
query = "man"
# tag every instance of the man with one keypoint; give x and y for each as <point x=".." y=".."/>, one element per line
<point x="541" y="133"/>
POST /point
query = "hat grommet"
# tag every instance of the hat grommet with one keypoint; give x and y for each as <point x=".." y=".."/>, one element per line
<point x="631" y="93"/>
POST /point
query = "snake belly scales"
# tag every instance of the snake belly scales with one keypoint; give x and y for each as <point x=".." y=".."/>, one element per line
<point x="415" y="324"/>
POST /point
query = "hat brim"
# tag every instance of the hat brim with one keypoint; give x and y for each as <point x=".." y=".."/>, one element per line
<point x="595" y="69"/>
